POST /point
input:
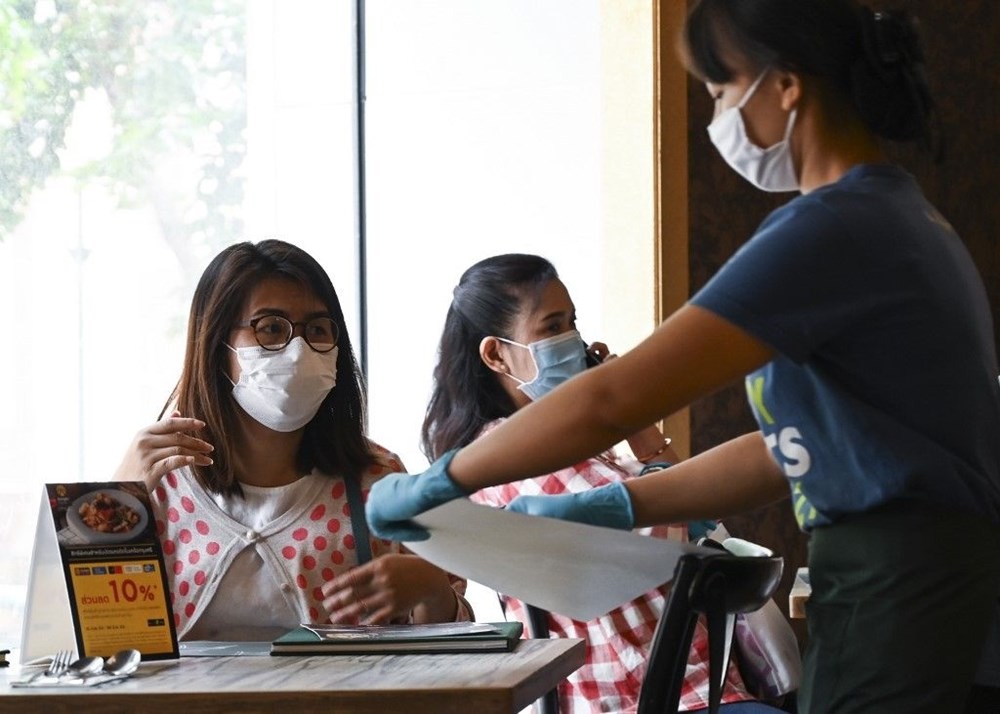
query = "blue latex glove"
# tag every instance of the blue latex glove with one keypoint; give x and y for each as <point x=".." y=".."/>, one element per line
<point x="397" y="498"/>
<point x="608" y="506"/>
<point x="700" y="529"/>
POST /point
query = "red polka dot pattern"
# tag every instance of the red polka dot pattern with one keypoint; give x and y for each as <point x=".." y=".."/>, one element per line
<point x="317" y="547"/>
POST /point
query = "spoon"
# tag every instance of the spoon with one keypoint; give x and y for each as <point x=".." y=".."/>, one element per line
<point x="123" y="662"/>
<point x="83" y="666"/>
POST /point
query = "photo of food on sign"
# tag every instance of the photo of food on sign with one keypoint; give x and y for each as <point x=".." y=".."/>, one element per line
<point x="97" y="514"/>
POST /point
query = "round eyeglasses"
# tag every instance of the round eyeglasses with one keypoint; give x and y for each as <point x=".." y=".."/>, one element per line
<point x="274" y="332"/>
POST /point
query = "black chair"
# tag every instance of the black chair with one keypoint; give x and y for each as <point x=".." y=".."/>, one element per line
<point x="718" y="586"/>
<point x="538" y="629"/>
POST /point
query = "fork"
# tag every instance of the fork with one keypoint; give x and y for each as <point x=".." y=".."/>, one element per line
<point x="59" y="664"/>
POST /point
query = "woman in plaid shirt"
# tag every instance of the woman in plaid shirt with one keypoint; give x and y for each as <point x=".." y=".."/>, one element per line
<point x="509" y="337"/>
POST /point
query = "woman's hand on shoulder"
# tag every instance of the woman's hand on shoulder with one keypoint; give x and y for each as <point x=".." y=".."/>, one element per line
<point x="162" y="447"/>
<point x="390" y="588"/>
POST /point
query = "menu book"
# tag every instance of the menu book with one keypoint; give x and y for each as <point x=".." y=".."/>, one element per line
<point x="437" y="638"/>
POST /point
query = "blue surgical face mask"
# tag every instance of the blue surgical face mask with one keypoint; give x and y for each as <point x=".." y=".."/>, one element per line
<point x="556" y="360"/>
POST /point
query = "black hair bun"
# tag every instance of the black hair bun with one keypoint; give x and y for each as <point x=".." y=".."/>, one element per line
<point x="888" y="81"/>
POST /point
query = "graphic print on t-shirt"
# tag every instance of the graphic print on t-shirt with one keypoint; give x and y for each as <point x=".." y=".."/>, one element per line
<point x="787" y="446"/>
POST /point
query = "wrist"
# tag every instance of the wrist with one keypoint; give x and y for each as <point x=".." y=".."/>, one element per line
<point x="653" y="453"/>
<point x="440" y="485"/>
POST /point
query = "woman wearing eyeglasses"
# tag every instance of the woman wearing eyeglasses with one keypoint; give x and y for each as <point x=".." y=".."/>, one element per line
<point x="259" y="472"/>
<point x="863" y="332"/>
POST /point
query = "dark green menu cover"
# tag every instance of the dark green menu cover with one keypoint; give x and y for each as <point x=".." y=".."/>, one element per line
<point x="436" y="638"/>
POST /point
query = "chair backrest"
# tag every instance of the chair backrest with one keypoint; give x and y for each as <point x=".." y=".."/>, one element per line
<point x="719" y="586"/>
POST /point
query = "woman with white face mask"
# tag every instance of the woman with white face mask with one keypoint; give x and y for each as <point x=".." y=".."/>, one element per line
<point x="863" y="331"/>
<point x="509" y="339"/>
<point x="258" y="475"/>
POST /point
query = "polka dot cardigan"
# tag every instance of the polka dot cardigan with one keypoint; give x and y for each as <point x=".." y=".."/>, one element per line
<point x="304" y="547"/>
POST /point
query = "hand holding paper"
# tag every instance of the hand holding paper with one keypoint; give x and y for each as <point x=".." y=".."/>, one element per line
<point x="397" y="498"/>
<point x="609" y="506"/>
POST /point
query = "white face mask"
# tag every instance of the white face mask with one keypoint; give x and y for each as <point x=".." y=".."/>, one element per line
<point x="556" y="360"/>
<point x="284" y="389"/>
<point x="770" y="169"/>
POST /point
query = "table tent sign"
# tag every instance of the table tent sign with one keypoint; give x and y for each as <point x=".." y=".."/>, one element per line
<point x="97" y="582"/>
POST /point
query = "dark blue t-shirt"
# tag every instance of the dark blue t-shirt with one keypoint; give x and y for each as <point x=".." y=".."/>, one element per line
<point x="885" y="385"/>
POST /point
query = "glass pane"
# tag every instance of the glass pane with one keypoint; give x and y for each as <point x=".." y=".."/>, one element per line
<point x="484" y="137"/>
<point x="494" y="128"/>
<point x="137" y="139"/>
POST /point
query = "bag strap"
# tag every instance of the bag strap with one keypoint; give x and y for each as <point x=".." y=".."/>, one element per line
<point x="359" y="526"/>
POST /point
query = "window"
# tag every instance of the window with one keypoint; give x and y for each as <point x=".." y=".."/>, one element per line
<point x="139" y="138"/>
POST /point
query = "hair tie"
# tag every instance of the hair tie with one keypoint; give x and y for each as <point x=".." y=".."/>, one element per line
<point x="887" y="78"/>
<point x="890" y="42"/>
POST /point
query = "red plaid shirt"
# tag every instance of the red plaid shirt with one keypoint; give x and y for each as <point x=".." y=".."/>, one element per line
<point x="618" y="642"/>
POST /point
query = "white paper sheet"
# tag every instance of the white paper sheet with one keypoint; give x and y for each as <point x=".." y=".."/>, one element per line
<point x="573" y="569"/>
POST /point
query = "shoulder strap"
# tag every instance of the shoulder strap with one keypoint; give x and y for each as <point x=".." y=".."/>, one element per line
<point x="359" y="525"/>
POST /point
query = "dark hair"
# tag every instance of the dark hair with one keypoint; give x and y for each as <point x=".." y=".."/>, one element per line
<point x="334" y="441"/>
<point x="466" y="393"/>
<point x="875" y="60"/>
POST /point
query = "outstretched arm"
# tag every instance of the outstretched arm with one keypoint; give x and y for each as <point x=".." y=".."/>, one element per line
<point x="736" y="476"/>
<point x="689" y="356"/>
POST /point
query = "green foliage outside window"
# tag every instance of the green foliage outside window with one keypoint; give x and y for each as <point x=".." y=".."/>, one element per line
<point x="174" y="76"/>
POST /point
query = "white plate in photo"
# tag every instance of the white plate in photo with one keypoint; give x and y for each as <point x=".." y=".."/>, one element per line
<point x="92" y="534"/>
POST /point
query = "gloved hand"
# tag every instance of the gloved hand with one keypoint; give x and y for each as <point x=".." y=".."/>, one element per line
<point x="700" y="529"/>
<point x="608" y="506"/>
<point x="396" y="498"/>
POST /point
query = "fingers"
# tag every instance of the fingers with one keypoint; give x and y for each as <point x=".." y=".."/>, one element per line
<point x="359" y="596"/>
<point x="599" y="348"/>
<point x="163" y="447"/>
<point x="170" y="434"/>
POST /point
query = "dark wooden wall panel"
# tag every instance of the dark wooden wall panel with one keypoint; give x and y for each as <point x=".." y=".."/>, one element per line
<point x="962" y="39"/>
